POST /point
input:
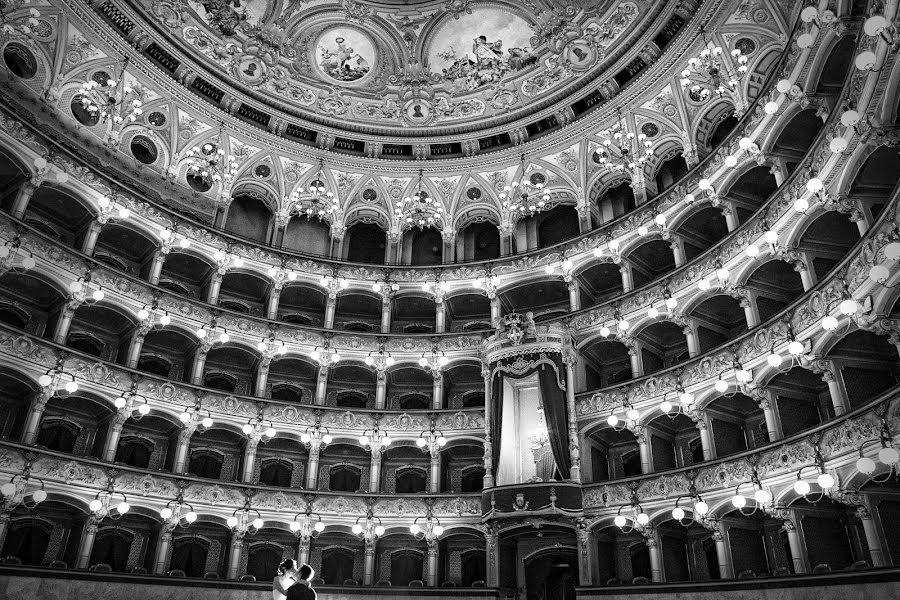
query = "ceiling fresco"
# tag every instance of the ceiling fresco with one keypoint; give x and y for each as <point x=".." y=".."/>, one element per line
<point x="405" y="64"/>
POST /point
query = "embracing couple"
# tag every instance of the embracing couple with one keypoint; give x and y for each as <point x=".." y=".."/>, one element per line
<point x="293" y="582"/>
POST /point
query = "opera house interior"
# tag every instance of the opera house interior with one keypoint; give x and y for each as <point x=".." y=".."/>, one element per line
<point x="535" y="300"/>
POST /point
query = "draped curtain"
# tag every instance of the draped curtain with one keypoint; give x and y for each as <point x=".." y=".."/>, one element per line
<point x="28" y="542"/>
<point x="190" y="557"/>
<point x="551" y="380"/>
<point x="406" y="565"/>
<point x="337" y="565"/>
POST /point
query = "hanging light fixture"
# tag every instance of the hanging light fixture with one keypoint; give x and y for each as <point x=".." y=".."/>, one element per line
<point x="419" y="210"/>
<point x="370" y="528"/>
<point x="307" y="524"/>
<point x="246" y="519"/>
<point x="11" y="253"/>
<point x="526" y="196"/>
<point x="710" y="72"/>
<point x="316" y="201"/>
<point x="427" y="528"/>
<point x="208" y="163"/>
<point x="15" y="492"/>
<point x="617" y="151"/>
<point x="177" y="512"/>
<point x="111" y="100"/>
<point x="27" y="24"/>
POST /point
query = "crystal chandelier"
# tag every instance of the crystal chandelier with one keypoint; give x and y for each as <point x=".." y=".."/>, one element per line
<point x="316" y="200"/>
<point x="419" y="210"/>
<point x="209" y="164"/>
<point x="111" y="100"/>
<point x="27" y="24"/>
<point x="617" y="151"/>
<point x="525" y="197"/>
<point x="711" y="73"/>
<point x="539" y="436"/>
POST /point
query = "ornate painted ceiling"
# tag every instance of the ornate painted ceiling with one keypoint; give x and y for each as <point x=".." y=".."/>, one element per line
<point x="411" y="65"/>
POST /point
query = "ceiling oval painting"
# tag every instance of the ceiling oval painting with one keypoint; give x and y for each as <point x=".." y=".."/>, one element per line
<point x="344" y="54"/>
<point x="481" y="48"/>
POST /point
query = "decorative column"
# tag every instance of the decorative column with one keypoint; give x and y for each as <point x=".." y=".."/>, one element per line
<point x="180" y="464"/>
<point x="432" y="563"/>
<point x="86" y="545"/>
<point x="718" y="536"/>
<point x="35" y="414"/>
<point x="380" y="387"/>
<point x="677" y="246"/>
<point x="574" y="295"/>
<point x="312" y="465"/>
<point x="488" y="410"/>
<point x="770" y="412"/>
<point x="570" y="358"/>
<point x="440" y="313"/>
<point x="637" y="364"/>
<point x="136" y="345"/>
<point x="321" y="385"/>
<point x="731" y="220"/>
<point x="836" y="389"/>
<point x="437" y="389"/>
<point x="90" y="238"/>
<point x="751" y="312"/>
<point x="262" y="375"/>
<point x="690" y="336"/>
<point x="873" y="538"/>
<point x="385" y="313"/>
<point x="375" y="468"/>
<point x="492" y="555"/>
<point x="234" y="555"/>
<point x="369" y="563"/>
<point x="709" y="452"/>
<point x="4" y="525"/>
<point x="795" y="544"/>
<point x="274" y="299"/>
<point x="161" y="561"/>
<point x="627" y="278"/>
<point x="250" y="458"/>
<point x="303" y="550"/>
<point x="200" y="361"/>
<point x="434" y="482"/>
<point x="644" y="448"/>
<point x="655" y="558"/>
<point x="330" y="307"/>
<point x="495" y="311"/>
<point x="156" y="266"/>
<point x="23" y="197"/>
<point x="215" y="284"/>
<point x="114" y="433"/>
<point x="65" y="321"/>
<point x="807" y="273"/>
<point x="587" y="551"/>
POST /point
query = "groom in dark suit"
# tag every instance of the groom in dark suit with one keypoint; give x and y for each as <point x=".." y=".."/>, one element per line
<point x="302" y="590"/>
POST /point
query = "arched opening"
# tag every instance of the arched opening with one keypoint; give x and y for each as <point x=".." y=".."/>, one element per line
<point x="478" y="241"/>
<point x="472" y="480"/>
<point x="353" y="311"/>
<point x="414" y="402"/>
<point x="466" y="312"/>
<point x="554" y="226"/>
<point x="263" y="561"/>
<point x="185" y="274"/>
<point x="607" y="362"/>
<point x="736" y="424"/>
<point x="302" y="301"/>
<point x="206" y="464"/>
<point x="802" y="398"/>
<point x="413" y="314"/>
<point x="797" y="138"/>
<point x="134" y="452"/>
<point x="718" y="319"/>
<point x="474" y="567"/>
<point x="538" y="297"/>
<point x="189" y="555"/>
<point x="350" y="399"/>
<point x="826" y="527"/>
<point x="58" y="435"/>
<point x="701" y="231"/>
<point x="601" y="282"/>
<point x="422" y="247"/>
<point x="64" y="215"/>
<point x="827" y="240"/>
<point x="674" y="442"/>
<point x="411" y="481"/>
<point x="245" y="292"/>
<point x="722" y="131"/>
<point x="662" y="344"/>
<point x="366" y="243"/>
<point x="776" y="284"/>
<point x="276" y="473"/>
<point x="650" y="261"/>
<point x="749" y="192"/>
<point x="876" y="180"/>
<point x="85" y="342"/>
<point x="688" y="552"/>
<point x="752" y="539"/>
<point x="552" y="574"/>
<point x="670" y="172"/>
<point x="309" y="236"/>
<point x="249" y="217"/>
<point x="112" y="547"/>
<point x="616" y="201"/>
<point x="613" y="454"/>
<point x="27" y="540"/>
<point x="337" y="565"/>
<point x="406" y="566"/>
<point x="834" y="71"/>
<point x="126" y="244"/>
<point x="12" y="176"/>
<point x="868" y="364"/>
<point x="287" y="393"/>
<point x="344" y="478"/>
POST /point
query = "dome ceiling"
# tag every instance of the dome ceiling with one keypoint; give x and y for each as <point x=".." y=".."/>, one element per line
<point x="419" y="66"/>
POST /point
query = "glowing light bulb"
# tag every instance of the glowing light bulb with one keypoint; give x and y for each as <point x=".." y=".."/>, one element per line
<point x="722" y="273"/>
<point x="801" y="487"/>
<point x="665" y="406"/>
<point x="829" y="323"/>
<point x="633" y="414"/>
<point x="686" y="398"/>
<point x="770" y="237"/>
<point x="752" y="251"/>
<point x="770" y="108"/>
<point x="270" y="432"/>
<point x="742" y="375"/>
<point x="774" y="360"/>
<point x="45" y="380"/>
<point x="825" y="480"/>
<point x="165" y="513"/>
<point x="123" y="508"/>
<point x="363" y="440"/>
<point x="689" y="198"/>
<point x="612" y="420"/>
<point x="738" y="501"/>
<point x="801" y="205"/>
<point x="678" y="513"/>
<point x="795" y="348"/>
<point x="224" y="337"/>
<point x="258" y="523"/>
<point x="889" y="455"/>
<point x="423" y="362"/>
<point x="652" y="312"/>
<point x="762" y="496"/>
<point x="184" y="417"/>
<point x="598" y="252"/>
<point x="72" y="387"/>
<point x="721" y="386"/>
<point x="671" y="302"/>
<point x="703" y="285"/>
<point x="120" y="402"/>
<point x="319" y="526"/>
<point x="838" y="145"/>
<point x="356" y="529"/>
<point x="643" y="518"/>
<point x="731" y="161"/>
<point x="604" y="332"/>
<point x="620" y="521"/>
<point x="642" y="230"/>
<point x="879" y="273"/>
<point x="704" y="185"/>
<point x="848" y="307"/>
<point x="415" y="529"/>
<point x="95" y="505"/>
<point x="379" y="530"/>
<point x="231" y="521"/>
<point x="207" y="422"/>
<point x="247" y="428"/>
<point x="624" y="325"/>
<point x="701" y="508"/>
<point x="8" y="489"/>
<point x="144" y="409"/>
<point x="866" y="465"/>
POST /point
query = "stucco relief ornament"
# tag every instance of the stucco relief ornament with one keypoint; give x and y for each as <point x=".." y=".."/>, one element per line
<point x="356" y="11"/>
<point x="170" y="12"/>
<point x="458" y="7"/>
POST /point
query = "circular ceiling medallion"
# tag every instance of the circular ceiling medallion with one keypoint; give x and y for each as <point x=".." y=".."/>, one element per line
<point x="101" y="77"/>
<point x="650" y="129"/>
<point x="473" y="193"/>
<point x="746" y="46"/>
<point x="370" y="195"/>
<point x="345" y="54"/>
<point x="156" y="119"/>
<point x="262" y="171"/>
